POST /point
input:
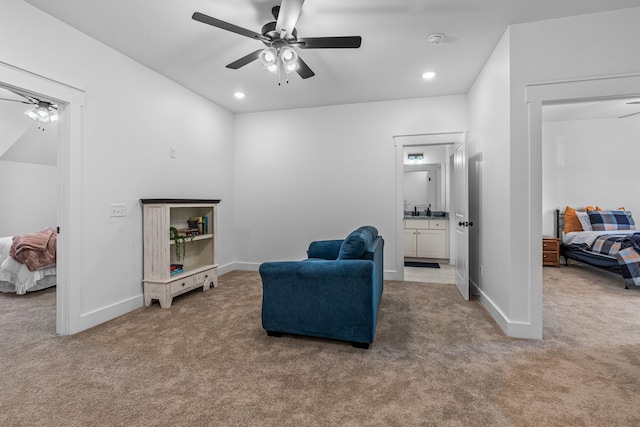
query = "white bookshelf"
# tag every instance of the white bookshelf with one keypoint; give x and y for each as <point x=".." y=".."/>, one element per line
<point x="199" y="262"/>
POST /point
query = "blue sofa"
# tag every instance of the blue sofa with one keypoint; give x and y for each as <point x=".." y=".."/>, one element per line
<point x="334" y="294"/>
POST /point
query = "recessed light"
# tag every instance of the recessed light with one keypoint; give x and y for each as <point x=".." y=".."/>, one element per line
<point x="429" y="75"/>
<point x="239" y="95"/>
<point x="435" y="38"/>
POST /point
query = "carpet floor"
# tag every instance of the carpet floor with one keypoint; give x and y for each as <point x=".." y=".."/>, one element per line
<point x="436" y="360"/>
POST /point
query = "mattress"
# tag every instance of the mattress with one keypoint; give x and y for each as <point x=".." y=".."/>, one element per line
<point x="16" y="277"/>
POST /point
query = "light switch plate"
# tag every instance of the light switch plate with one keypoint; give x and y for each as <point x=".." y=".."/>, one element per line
<point x="118" y="209"/>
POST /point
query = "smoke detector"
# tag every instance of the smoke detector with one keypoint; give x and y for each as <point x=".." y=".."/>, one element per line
<point x="435" y="38"/>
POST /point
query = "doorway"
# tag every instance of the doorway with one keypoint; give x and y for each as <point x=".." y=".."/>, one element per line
<point x="28" y="177"/>
<point x="419" y="147"/>
<point x="70" y="101"/>
<point x="537" y="95"/>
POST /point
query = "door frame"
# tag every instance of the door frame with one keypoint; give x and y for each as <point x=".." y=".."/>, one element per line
<point x="537" y="95"/>
<point x="400" y="142"/>
<point x="71" y="101"/>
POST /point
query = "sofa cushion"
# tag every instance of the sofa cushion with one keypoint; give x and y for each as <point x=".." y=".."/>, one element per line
<point x="357" y="242"/>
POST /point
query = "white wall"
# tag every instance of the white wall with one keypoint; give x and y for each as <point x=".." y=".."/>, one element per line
<point x="131" y="117"/>
<point x="318" y="173"/>
<point x="489" y="182"/>
<point x="28" y="195"/>
<point x="589" y="162"/>
<point x="554" y="50"/>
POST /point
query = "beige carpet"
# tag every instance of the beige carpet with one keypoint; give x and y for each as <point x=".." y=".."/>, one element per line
<point x="437" y="360"/>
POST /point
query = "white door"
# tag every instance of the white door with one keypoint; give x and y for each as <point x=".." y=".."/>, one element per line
<point x="461" y="218"/>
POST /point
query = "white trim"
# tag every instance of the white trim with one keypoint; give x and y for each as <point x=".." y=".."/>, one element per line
<point x="584" y="89"/>
<point x="103" y="314"/>
<point x="243" y="266"/>
<point x="510" y="328"/>
<point x="69" y="210"/>
<point x="537" y="95"/>
<point x="401" y="141"/>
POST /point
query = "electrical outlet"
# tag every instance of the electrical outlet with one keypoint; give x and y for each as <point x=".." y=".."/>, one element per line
<point x="172" y="152"/>
<point x="118" y="209"/>
<point x="481" y="271"/>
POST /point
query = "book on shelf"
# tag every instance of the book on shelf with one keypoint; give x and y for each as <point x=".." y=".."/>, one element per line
<point x="188" y="232"/>
<point x="175" y="268"/>
<point x="202" y="223"/>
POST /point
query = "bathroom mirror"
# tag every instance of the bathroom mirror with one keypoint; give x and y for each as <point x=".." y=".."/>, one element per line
<point x="423" y="189"/>
<point x="425" y="178"/>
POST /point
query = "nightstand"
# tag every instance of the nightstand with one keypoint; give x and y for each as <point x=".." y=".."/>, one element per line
<point x="551" y="251"/>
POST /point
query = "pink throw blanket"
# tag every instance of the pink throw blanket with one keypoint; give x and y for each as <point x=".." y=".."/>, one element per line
<point x="36" y="250"/>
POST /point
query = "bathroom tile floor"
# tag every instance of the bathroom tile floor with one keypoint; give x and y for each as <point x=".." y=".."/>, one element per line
<point x="444" y="274"/>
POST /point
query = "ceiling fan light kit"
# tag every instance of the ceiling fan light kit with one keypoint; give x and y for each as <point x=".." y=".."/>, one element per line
<point x="280" y="37"/>
<point x="44" y="113"/>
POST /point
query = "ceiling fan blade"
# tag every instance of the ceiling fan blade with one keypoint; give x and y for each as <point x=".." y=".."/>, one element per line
<point x="303" y="69"/>
<point x="633" y="102"/>
<point x="245" y="60"/>
<point x="629" y="115"/>
<point x="16" y="100"/>
<point x="206" y="19"/>
<point x="346" y="42"/>
<point x="288" y="16"/>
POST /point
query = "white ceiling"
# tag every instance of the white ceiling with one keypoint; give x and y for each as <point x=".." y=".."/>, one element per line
<point x="161" y="35"/>
<point x="22" y="139"/>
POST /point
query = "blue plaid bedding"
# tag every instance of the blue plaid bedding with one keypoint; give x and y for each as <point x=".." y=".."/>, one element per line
<point x="626" y="249"/>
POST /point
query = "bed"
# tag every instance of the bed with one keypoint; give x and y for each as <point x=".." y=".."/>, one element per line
<point x="28" y="262"/>
<point x="603" y="239"/>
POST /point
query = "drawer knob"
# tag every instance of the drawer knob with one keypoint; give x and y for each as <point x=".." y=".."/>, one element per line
<point x="183" y="284"/>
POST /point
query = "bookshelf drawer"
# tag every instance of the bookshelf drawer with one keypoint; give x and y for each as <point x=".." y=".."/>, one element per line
<point x="202" y="276"/>
<point x="181" y="285"/>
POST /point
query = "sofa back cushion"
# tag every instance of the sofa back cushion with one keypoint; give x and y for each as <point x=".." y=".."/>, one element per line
<point x="357" y="242"/>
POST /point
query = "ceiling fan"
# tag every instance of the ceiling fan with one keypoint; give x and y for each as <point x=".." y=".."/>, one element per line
<point x="632" y="114"/>
<point x="280" y="37"/>
<point x="44" y="112"/>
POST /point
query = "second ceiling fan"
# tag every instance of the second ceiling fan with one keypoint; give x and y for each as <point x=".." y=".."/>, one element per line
<point x="281" y="37"/>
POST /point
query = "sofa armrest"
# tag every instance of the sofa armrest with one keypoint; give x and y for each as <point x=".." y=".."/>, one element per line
<point x="323" y="298"/>
<point x="324" y="249"/>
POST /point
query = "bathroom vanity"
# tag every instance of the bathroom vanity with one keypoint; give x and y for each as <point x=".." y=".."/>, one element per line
<point x="426" y="237"/>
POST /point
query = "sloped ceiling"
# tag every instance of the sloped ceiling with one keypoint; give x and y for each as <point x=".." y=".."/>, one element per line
<point x="22" y="139"/>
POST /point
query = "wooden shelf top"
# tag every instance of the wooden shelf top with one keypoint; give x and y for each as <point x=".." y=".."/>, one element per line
<point x="178" y="201"/>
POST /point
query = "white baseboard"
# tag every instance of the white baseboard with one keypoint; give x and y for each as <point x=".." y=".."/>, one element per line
<point x="242" y="266"/>
<point x="104" y="314"/>
<point x="393" y="275"/>
<point x="511" y="329"/>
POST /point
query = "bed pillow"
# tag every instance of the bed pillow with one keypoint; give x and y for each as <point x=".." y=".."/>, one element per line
<point x="571" y="221"/>
<point x="583" y="217"/>
<point x="621" y="208"/>
<point x="611" y="220"/>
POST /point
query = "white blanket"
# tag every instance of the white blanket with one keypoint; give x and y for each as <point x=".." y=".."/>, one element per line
<point x="16" y="277"/>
